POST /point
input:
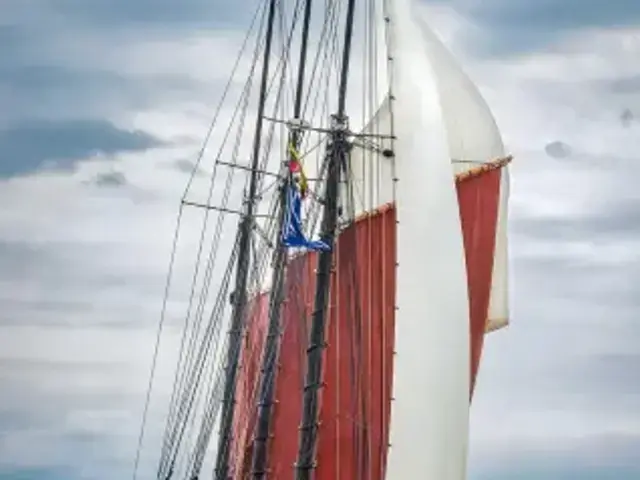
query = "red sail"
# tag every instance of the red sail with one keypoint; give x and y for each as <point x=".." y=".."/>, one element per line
<point x="357" y="372"/>
<point x="248" y="383"/>
<point x="479" y="198"/>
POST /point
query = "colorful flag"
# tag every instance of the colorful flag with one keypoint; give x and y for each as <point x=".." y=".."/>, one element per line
<point x="296" y="170"/>
<point x="292" y="229"/>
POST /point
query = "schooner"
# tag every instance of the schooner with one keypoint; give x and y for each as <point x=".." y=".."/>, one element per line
<point x="352" y="261"/>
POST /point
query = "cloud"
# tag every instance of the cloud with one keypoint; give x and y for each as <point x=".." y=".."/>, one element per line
<point x="558" y="149"/>
<point x="629" y="84"/>
<point x="187" y="166"/>
<point x="555" y="15"/>
<point x="89" y="380"/>
<point x="515" y="28"/>
<point x="30" y="146"/>
<point x="68" y="61"/>
<point x="617" y="222"/>
<point x="163" y="13"/>
<point x="627" y="118"/>
<point x="96" y="137"/>
<point x="111" y="179"/>
<point x="119" y="96"/>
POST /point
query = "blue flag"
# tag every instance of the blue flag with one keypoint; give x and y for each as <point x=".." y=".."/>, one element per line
<point x="292" y="235"/>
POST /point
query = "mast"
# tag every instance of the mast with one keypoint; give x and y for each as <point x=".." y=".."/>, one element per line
<point x="239" y="296"/>
<point x="337" y="151"/>
<point x="267" y="384"/>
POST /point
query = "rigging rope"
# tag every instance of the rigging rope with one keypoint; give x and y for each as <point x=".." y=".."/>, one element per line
<point x="271" y="134"/>
<point x="195" y="403"/>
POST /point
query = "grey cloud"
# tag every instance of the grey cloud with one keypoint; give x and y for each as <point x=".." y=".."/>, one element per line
<point x="607" y="274"/>
<point x="141" y="13"/>
<point x="29" y="146"/>
<point x="625" y="85"/>
<point x="617" y="373"/>
<point x="546" y="465"/>
<point x="19" y="258"/>
<point x="67" y="419"/>
<point x="56" y="91"/>
<point x="555" y="15"/>
<point x="521" y="27"/>
<point x="569" y="370"/>
<point x="110" y="179"/>
<point x="56" y="77"/>
<point x="579" y="307"/>
<point x="68" y="284"/>
<point x="188" y="167"/>
<point x="577" y="399"/>
<point x="558" y="149"/>
<point x="100" y="394"/>
<point x="620" y="95"/>
<point x="627" y="118"/>
<point x="34" y="473"/>
<point x="562" y="303"/>
<point x="606" y="221"/>
<point x="62" y="92"/>
<point x="47" y="72"/>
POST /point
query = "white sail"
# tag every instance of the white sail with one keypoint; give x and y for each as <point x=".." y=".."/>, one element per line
<point x="499" y="300"/>
<point x="473" y="138"/>
<point x="371" y="172"/>
<point x="430" y="410"/>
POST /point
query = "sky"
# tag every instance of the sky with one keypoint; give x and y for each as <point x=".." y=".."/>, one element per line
<point x="103" y="105"/>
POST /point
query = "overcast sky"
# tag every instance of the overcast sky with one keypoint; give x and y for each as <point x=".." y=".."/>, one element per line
<point x="102" y="106"/>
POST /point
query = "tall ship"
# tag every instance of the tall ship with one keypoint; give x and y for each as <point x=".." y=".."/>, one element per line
<point x="351" y="256"/>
